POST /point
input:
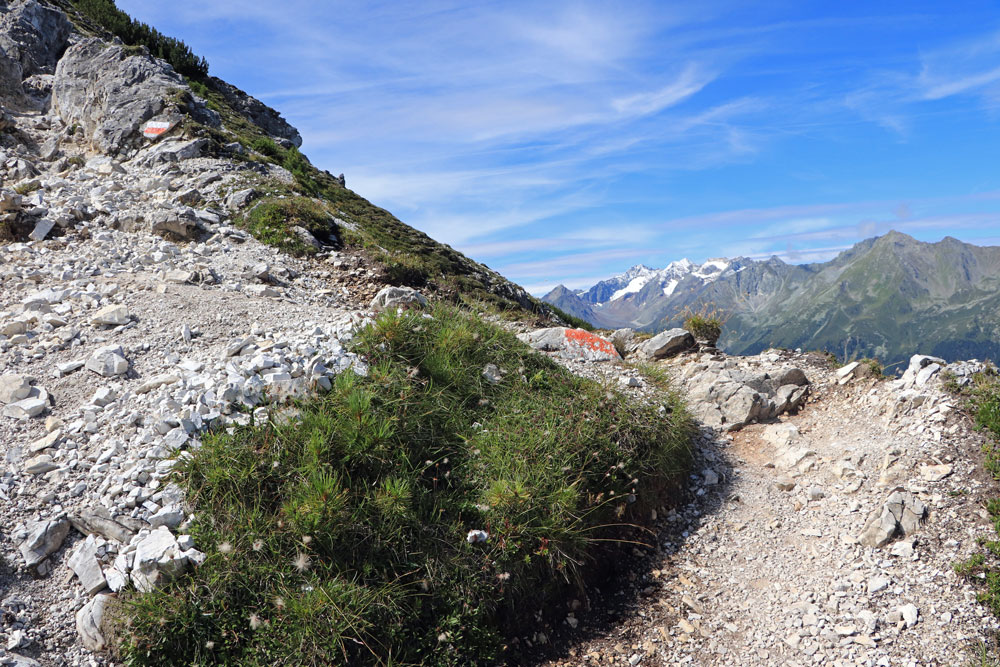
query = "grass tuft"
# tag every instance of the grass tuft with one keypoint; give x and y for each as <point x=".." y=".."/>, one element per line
<point x="345" y="530"/>
<point x="271" y="221"/>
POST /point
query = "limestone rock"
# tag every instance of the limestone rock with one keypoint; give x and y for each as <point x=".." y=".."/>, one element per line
<point x="108" y="361"/>
<point x="44" y="537"/>
<point x="256" y="112"/>
<point x="87" y="567"/>
<point x="159" y="557"/>
<point x="99" y="522"/>
<point x="666" y="344"/>
<point x="571" y="344"/>
<point x="173" y="225"/>
<point x="901" y="514"/>
<point x="88" y="622"/>
<point x="110" y="92"/>
<point x="390" y="297"/>
<point x="111" y="316"/>
<point x="13" y="388"/>
<point x="34" y="35"/>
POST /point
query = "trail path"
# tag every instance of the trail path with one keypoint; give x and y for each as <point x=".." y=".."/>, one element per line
<point x="763" y="565"/>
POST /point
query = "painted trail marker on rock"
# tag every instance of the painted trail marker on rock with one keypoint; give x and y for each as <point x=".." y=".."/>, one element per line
<point x="155" y="128"/>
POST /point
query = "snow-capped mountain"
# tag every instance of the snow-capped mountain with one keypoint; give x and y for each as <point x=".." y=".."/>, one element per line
<point x="884" y="298"/>
<point x="635" y="280"/>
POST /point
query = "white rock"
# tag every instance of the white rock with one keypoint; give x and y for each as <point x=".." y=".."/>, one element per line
<point x="910" y="614"/>
<point x="43" y="538"/>
<point x="111" y="316"/>
<point x="40" y="464"/>
<point x="87" y="567"/>
<point x="108" y="361"/>
<point x="13" y="388"/>
<point x="88" y="622"/>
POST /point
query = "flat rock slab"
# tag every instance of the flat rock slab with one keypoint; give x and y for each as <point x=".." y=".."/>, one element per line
<point x="571" y="344"/>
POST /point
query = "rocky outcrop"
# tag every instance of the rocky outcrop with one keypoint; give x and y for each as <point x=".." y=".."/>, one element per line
<point x="256" y="112"/>
<point x="110" y="91"/>
<point x="727" y="397"/>
<point x="33" y="35"/>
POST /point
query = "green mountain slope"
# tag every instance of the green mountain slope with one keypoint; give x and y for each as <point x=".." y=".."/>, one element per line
<point x="887" y="297"/>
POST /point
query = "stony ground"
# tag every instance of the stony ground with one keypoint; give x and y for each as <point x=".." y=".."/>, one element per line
<point x="120" y="348"/>
<point x="763" y="565"/>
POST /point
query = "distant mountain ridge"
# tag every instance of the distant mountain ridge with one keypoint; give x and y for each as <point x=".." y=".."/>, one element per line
<point x="887" y="297"/>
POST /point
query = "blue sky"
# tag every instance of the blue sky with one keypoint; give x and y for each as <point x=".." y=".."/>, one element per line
<point x="562" y="142"/>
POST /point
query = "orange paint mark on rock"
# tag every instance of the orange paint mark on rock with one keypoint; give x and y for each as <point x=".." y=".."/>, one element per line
<point x="590" y="341"/>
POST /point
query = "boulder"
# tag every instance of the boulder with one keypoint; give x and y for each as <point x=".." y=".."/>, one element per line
<point x="11" y="89"/>
<point x="391" y="297"/>
<point x="34" y="35"/>
<point x="44" y="537"/>
<point x="170" y="151"/>
<point x="571" y="344"/>
<point x="110" y="91"/>
<point x="88" y="622"/>
<point x="175" y="225"/>
<point x="666" y="344"/>
<point x="901" y="514"/>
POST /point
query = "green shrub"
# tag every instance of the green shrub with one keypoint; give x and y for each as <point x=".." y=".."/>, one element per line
<point x="340" y="537"/>
<point x="271" y="222"/>
<point x="983" y="568"/>
<point x="705" y="323"/>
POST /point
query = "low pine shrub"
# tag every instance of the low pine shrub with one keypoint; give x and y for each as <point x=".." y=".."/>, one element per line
<point x="340" y="537"/>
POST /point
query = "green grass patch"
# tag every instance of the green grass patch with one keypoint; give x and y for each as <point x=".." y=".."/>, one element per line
<point x="340" y="537"/>
<point x="271" y="221"/>
<point x="983" y="568"/>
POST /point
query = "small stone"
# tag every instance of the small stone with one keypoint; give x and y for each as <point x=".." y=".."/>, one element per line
<point x="784" y="483"/>
<point x="13" y="388"/>
<point x="108" y="361"/>
<point x="40" y="464"/>
<point x="876" y="584"/>
<point x="910" y="614"/>
<point x="69" y="366"/>
<point x="902" y="549"/>
<point x="935" y="473"/>
<point x="44" y="443"/>
<point x="709" y="477"/>
<point x="111" y="316"/>
<point x="104" y="396"/>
